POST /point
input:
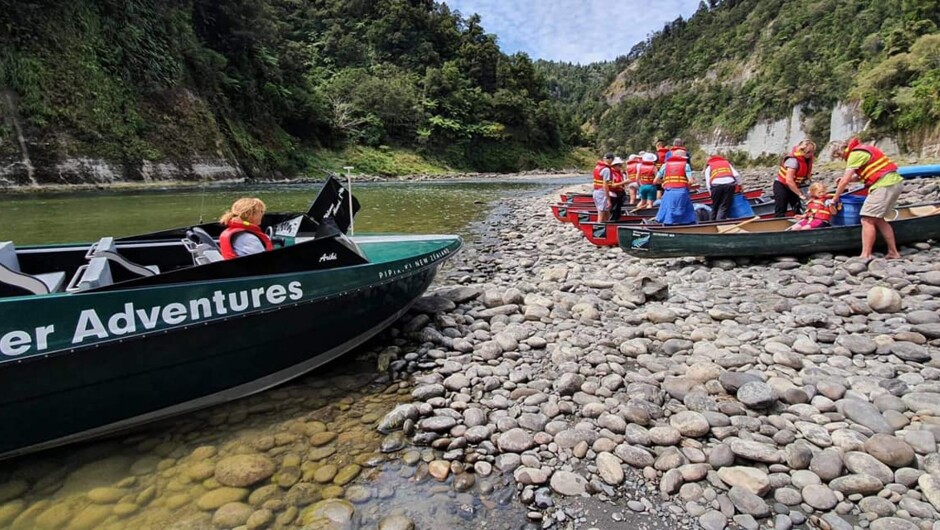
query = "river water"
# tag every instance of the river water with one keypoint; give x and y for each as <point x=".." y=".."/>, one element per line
<point x="319" y="430"/>
<point x="391" y="208"/>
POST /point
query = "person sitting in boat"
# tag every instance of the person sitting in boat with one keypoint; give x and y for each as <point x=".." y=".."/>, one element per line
<point x="879" y="174"/>
<point x="646" y="176"/>
<point x="819" y="209"/>
<point x="601" y="195"/>
<point x="723" y="182"/>
<point x="794" y="171"/>
<point x="243" y="235"/>
<point x="676" y="177"/>
<point x="617" y="193"/>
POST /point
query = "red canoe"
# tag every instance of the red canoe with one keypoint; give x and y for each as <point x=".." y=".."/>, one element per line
<point x="577" y="214"/>
<point x="605" y="234"/>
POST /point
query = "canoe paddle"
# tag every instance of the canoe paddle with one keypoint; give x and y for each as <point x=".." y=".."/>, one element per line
<point x="736" y="227"/>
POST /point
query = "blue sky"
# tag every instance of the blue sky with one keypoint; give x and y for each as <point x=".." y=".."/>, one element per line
<point x="573" y="30"/>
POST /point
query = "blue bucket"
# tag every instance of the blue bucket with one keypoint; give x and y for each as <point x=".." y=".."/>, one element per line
<point x="849" y="214"/>
<point x="740" y="207"/>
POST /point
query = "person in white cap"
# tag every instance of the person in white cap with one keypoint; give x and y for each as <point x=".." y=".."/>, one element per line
<point x="616" y="189"/>
<point x="646" y="175"/>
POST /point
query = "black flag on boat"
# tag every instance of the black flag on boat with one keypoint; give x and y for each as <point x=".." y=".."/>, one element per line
<point x="331" y="207"/>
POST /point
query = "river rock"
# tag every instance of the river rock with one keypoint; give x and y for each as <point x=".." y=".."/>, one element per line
<point x="328" y="513"/>
<point x="244" y="470"/>
<point x="634" y="456"/>
<point x="608" y="467"/>
<point x="855" y="483"/>
<point x="908" y="351"/>
<point x="748" y="503"/>
<point x="219" y="497"/>
<point x="923" y="401"/>
<point x="568" y="383"/>
<point x="756" y="451"/>
<point x="531" y="475"/>
<point x="232" y="514"/>
<point x="396" y="522"/>
<point x="884" y="299"/>
<point x="690" y="424"/>
<point x="515" y="441"/>
<point x="930" y="487"/>
<point x="890" y="450"/>
<point x="865" y="414"/>
<point x="827" y="464"/>
<point x="749" y="478"/>
<point x="819" y="497"/>
<point x="757" y="395"/>
<point x="568" y="483"/>
<point x="865" y="464"/>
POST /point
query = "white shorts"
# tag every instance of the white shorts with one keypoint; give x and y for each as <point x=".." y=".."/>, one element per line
<point x="600" y="200"/>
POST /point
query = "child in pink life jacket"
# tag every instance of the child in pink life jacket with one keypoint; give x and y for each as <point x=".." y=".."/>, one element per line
<point x="819" y="209"/>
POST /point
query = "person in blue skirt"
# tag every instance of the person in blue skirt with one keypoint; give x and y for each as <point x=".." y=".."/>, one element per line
<point x="676" y="177"/>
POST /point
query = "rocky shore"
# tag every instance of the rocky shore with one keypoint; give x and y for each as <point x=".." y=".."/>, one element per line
<point x="706" y="394"/>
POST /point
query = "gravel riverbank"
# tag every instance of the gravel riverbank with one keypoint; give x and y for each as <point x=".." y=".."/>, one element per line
<point x="702" y="394"/>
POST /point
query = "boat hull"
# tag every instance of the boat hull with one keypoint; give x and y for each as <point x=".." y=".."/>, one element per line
<point x="104" y="384"/>
<point x="671" y="243"/>
<point x="605" y="234"/>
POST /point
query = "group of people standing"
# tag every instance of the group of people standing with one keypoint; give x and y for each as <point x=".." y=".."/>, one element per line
<point x="667" y="176"/>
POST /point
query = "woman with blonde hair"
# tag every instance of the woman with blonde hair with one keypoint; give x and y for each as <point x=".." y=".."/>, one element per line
<point x="795" y="171"/>
<point x="243" y="235"/>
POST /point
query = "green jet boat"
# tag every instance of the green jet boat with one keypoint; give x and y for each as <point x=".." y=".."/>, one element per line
<point x="96" y="338"/>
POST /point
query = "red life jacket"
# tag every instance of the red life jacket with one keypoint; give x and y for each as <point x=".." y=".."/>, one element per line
<point x="719" y="168"/>
<point x="236" y="226"/>
<point x="616" y="180"/>
<point x="631" y="169"/>
<point x="661" y="156"/>
<point x="804" y="170"/>
<point x="675" y="176"/>
<point x="646" y="174"/>
<point x="877" y="166"/>
<point x="598" y="179"/>
<point x="817" y="209"/>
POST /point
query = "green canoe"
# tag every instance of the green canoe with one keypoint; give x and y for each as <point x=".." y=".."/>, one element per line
<point x="770" y="237"/>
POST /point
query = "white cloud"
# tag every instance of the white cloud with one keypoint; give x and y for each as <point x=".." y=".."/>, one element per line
<point x="579" y="31"/>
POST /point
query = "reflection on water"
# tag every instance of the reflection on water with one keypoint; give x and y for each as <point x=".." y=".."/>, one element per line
<point x="88" y="216"/>
<point x="317" y="456"/>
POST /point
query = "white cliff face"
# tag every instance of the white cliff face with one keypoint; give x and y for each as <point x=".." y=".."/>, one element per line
<point x="765" y="138"/>
<point x="847" y="120"/>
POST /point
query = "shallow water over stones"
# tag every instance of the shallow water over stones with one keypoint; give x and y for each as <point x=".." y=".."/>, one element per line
<point x="304" y="454"/>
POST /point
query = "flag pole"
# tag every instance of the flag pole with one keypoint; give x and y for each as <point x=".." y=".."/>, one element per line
<point x="352" y="229"/>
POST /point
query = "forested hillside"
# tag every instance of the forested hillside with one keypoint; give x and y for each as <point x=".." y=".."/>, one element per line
<point x="267" y="84"/>
<point x="736" y="62"/>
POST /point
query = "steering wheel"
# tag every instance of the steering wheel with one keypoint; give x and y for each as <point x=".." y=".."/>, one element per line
<point x="202" y="237"/>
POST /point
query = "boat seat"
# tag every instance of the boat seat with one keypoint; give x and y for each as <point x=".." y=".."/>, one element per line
<point x="208" y="256"/>
<point x="923" y="211"/>
<point x="201" y="246"/>
<point x="17" y="281"/>
<point x="106" y="248"/>
<point x="96" y="273"/>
